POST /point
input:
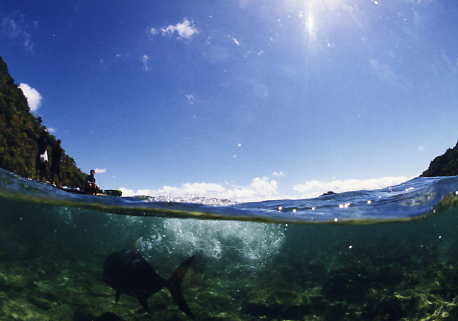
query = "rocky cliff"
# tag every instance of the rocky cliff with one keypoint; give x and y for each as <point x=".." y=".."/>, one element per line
<point x="444" y="165"/>
<point x="21" y="133"/>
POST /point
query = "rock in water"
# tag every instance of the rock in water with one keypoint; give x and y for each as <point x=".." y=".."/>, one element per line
<point x="127" y="272"/>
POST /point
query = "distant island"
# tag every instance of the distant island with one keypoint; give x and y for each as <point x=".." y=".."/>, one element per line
<point x="21" y="132"/>
<point x="328" y="193"/>
<point x="444" y="165"/>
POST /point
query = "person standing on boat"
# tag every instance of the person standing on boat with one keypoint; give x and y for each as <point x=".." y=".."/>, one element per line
<point x="41" y="163"/>
<point x="55" y="164"/>
<point x="43" y="166"/>
<point x="91" y="187"/>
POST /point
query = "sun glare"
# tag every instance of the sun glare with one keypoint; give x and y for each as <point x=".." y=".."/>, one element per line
<point x="314" y="8"/>
<point x="310" y="25"/>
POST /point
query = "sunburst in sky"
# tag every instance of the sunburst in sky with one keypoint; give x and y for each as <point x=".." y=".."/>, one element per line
<point x="312" y="12"/>
<point x="310" y="22"/>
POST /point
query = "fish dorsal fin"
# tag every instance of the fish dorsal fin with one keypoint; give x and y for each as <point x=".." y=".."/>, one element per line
<point x="174" y="285"/>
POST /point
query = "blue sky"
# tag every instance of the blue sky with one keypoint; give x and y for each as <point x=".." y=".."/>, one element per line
<point x="242" y="99"/>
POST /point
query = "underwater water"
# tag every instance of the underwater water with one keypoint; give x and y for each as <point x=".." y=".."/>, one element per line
<point x="389" y="254"/>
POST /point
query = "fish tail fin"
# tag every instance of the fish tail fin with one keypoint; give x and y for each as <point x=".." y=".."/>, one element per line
<point x="174" y="285"/>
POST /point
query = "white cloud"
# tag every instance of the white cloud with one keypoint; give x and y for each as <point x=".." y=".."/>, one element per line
<point x="445" y="63"/>
<point x="51" y="130"/>
<point x="153" y="31"/>
<point x="100" y="170"/>
<point x="15" y="28"/>
<point x="10" y="26"/>
<point x="314" y="188"/>
<point x="278" y="174"/>
<point x="386" y="73"/>
<point x="145" y="61"/>
<point x="190" y="98"/>
<point x="235" y="41"/>
<point x="34" y="98"/>
<point x="260" y="188"/>
<point x="425" y="2"/>
<point x="185" y="29"/>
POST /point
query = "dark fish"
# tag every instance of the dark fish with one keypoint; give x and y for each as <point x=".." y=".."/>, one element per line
<point x="129" y="273"/>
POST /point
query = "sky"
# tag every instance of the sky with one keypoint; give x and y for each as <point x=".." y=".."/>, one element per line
<point x="240" y="99"/>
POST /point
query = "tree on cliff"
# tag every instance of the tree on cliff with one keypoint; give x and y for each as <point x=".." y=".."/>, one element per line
<point x="20" y="133"/>
<point x="444" y="165"/>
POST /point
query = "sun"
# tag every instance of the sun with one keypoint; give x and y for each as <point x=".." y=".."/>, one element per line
<point x="310" y="26"/>
<point x="314" y="8"/>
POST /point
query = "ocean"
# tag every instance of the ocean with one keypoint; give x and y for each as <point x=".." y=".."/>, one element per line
<point x="376" y="255"/>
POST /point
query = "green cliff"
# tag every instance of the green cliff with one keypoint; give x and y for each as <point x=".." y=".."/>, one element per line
<point x="444" y="165"/>
<point x="21" y="133"/>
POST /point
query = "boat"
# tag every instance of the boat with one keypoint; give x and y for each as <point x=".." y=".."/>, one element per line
<point x="106" y="192"/>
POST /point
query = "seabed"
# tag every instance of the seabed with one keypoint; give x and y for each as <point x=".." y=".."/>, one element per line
<point x="394" y="288"/>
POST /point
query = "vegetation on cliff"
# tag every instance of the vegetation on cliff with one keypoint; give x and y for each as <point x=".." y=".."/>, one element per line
<point x="444" y="165"/>
<point x="21" y="133"/>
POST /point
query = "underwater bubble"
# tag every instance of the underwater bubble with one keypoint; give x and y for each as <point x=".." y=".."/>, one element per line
<point x="215" y="239"/>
